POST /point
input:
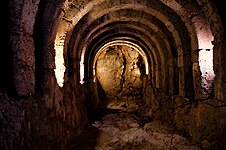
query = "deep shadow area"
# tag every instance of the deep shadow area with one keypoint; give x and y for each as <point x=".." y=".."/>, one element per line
<point x="87" y="138"/>
<point x="6" y="52"/>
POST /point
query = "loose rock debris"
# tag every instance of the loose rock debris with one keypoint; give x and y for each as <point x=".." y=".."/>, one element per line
<point x="122" y="131"/>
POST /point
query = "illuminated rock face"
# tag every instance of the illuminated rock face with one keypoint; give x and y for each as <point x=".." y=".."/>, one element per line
<point x="120" y="72"/>
<point x="45" y="93"/>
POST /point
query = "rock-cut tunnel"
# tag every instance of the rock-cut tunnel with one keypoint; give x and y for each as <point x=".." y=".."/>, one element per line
<point x="119" y="74"/>
<point x="122" y="51"/>
<point x="147" y="74"/>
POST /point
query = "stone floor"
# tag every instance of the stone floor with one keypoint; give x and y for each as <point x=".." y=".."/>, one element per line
<point x="125" y="131"/>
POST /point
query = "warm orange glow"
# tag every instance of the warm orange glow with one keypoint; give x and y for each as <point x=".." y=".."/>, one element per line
<point x="126" y="43"/>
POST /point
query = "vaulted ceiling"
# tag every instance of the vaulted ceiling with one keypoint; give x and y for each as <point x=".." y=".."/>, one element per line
<point x="172" y="32"/>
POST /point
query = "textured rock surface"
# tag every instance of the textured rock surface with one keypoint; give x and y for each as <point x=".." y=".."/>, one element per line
<point x="22" y="44"/>
<point x="120" y="73"/>
<point x="31" y="124"/>
<point x="35" y="113"/>
<point x="123" y="131"/>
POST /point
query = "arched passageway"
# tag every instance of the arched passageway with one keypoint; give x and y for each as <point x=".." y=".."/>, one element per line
<point x="148" y="63"/>
<point x="176" y="44"/>
<point x="120" y="71"/>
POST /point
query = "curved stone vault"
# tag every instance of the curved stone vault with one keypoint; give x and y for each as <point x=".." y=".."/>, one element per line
<point x="175" y="33"/>
<point x="66" y="59"/>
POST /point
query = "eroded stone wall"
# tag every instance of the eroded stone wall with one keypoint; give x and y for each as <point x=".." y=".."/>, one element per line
<point x="28" y="123"/>
<point x="22" y="19"/>
<point x="37" y="113"/>
<point x="120" y="72"/>
<point x="52" y="117"/>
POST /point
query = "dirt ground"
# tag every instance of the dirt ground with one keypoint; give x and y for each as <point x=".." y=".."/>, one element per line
<point x="117" y="130"/>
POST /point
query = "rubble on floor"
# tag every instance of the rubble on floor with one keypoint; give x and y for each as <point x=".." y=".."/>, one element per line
<point x="124" y="131"/>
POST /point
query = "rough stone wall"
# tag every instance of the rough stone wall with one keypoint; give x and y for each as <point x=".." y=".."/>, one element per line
<point x="30" y="124"/>
<point x="22" y="19"/>
<point x="224" y="70"/>
<point x="120" y="72"/>
<point x="57" y="114"/>
<point x="204" y="123"/>
<point x="39" y="114"/>
<point x="122" y="84"/>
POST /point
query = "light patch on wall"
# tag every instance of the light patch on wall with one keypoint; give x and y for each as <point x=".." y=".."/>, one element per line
<point x="206" y="57"/>
<point x="59" y="62"/>
<point x="82" y="70"/>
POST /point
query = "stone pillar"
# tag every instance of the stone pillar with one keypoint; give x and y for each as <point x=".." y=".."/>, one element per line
<point x="22" y="21"/>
